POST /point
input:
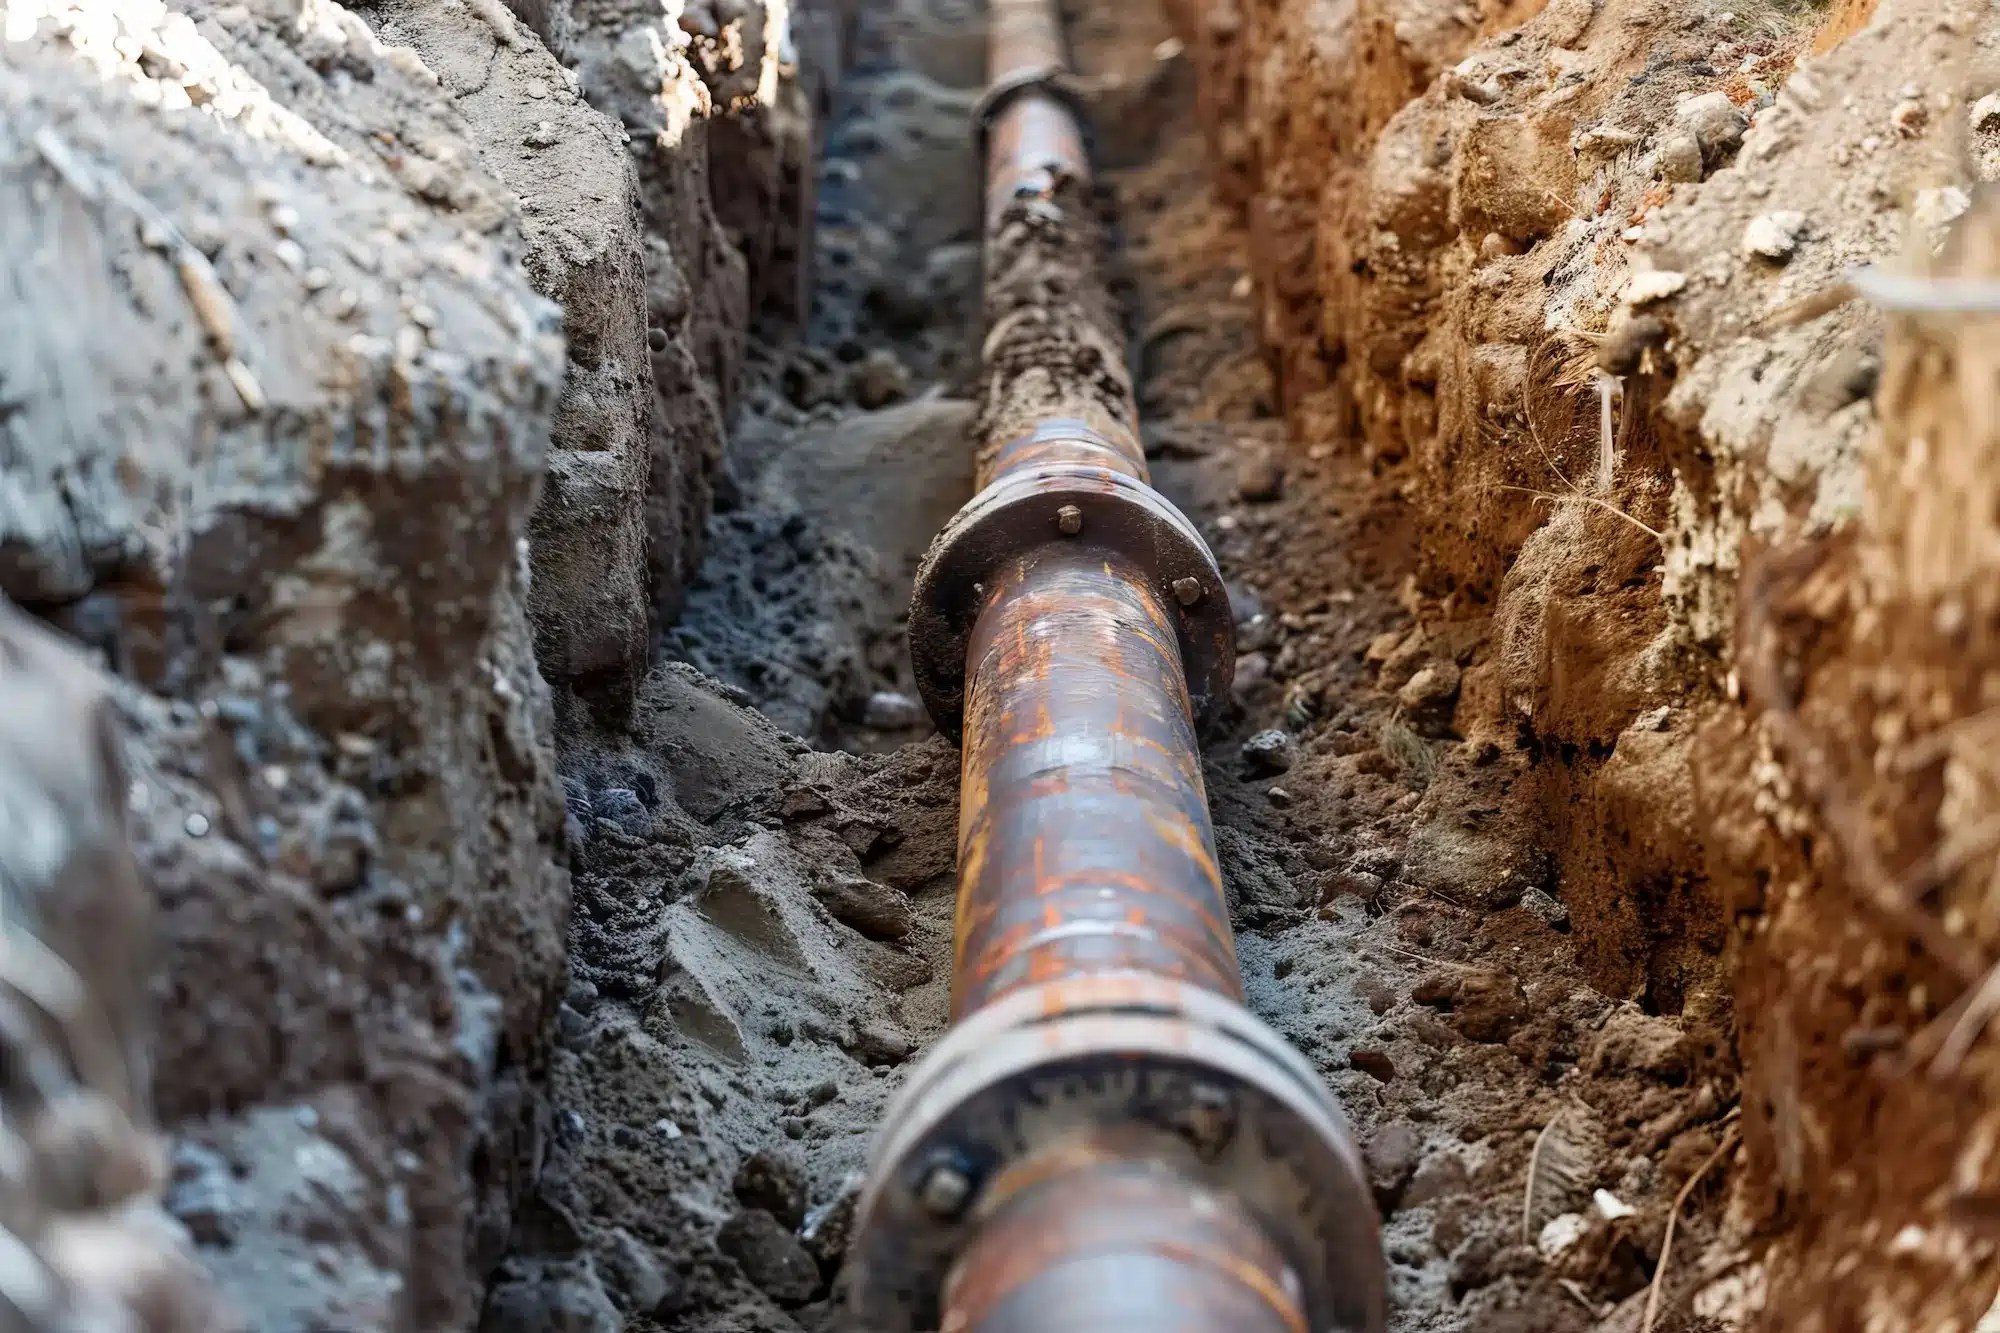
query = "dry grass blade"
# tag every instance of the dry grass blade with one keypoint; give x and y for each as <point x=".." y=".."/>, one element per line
<point x="1580" y="498"/>
<point x="1673" y="1217"/>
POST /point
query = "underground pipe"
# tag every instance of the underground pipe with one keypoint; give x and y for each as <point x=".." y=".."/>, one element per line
<point x="1106" y="1138"/>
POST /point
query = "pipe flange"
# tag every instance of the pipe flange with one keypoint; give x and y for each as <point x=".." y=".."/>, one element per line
<point x="1078" y="506"/>
<point x="1051" y="80"/>
<point x="1051" y="1063"/>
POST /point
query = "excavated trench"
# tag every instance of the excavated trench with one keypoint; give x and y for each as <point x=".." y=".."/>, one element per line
<point x="727" y="1046"/>
<point x="550" y="864"/>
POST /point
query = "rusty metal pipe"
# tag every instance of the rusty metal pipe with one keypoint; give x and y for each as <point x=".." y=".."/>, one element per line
<point x="1106" y="1139"/>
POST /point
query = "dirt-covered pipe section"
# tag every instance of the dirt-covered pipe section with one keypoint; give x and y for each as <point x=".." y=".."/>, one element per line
<point x="1106" y="1137"/>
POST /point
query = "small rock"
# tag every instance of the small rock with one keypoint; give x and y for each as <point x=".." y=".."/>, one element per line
<point x="773" y="1182"/>
<point x="1269" y="752"/>
<point x="543" y="135"/>
<point x="879" y="379"/>
<point x="1350" y="883"/>
<point x="1634" y="1042"/>
<point x="1278" y="796"/>
<point x="1381" y="999"/>
<point x="1391" y="1158"/>
<point x="770" y="1256"/>
<point x="1383" y="646"/>
<point x="1985" y="113"/>
<point x="804" y="803"/>
<point x="1482" y="1004"/>
<point x="1653" y="285"/>
<point x="622" y="806"/>
<point x="1252" y="670"/>
<point x="1678" y="158"/>
<point x="891" y="710"/>
<point x="1716" y="123"/>
<point x="1545" y="905"/>
<point x="1428" y="698"/>
<point x="638" y="1282"/>
<point x="1610" y="1207"/>
<point x="1261" y="477"/>
<point x="1774" y="236"/>
<point x="1560" y="1233"/>
<point x="875" y="910"/>
<point x="1258" y="633"/>
<point x="537" y="88"/>
<point x="879" y="1043"/>
<point x="1442" y="1175"/>
<point x="552" y="1299"/>
<point x="1373" y="1062"/>
<point x="202" y="1195"/>
<point x="1909" y="117"/>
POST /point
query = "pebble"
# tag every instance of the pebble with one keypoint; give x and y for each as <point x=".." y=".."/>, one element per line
<point x="1278" y="796"/>
<point x="638" y="1282"/>
<point x="1638" y="1043"/>
<point x="1678" y="158"/>
<point x="621" y="805"/>
<point x="880" y="379"/>
<point x="1269" y="752"/>
<point x="775" y="1183"/>
<point x="1261" y="477"/>
<point x="1653" y="285"/>
<point x="1774" y="236"/>
<point x="1257" y="633"/>
<point x="1985" y="114"/>
<point x="1482" y="1004"/>
<point x="537" y="88"/>
<point x="1391" y="1158"/>
<point x="1252" y="670"/>
<point x="566" y="1300"/>
<point x="1715" y="121"/>
<point x="1545" y="905"/>
<point x="875" y="910"/>
<point x="891" y="710"/>
<point x="1429" y="697"/>
<point x="770" y="1256"/>
<point x="1560" y="1233"/>
<point x="879" y="1043"/>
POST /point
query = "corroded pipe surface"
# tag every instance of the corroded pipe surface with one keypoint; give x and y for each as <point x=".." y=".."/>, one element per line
<point x="1084" y="837"/>
<point x="1106" y="1140"/>
<point x="1102" y="1237"/>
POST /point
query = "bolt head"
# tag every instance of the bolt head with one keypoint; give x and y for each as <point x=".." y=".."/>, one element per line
<point x="945" y="1191"/>
<point x="1069" y="520"/>
<point x="1187" y="591"/>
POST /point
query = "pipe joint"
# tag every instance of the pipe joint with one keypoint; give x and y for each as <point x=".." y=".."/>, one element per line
<point x="1067" y="487"/>
<point x="1151" y="1088"/>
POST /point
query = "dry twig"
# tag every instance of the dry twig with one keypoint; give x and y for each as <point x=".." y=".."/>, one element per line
<point x="1667" y="1242"/>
